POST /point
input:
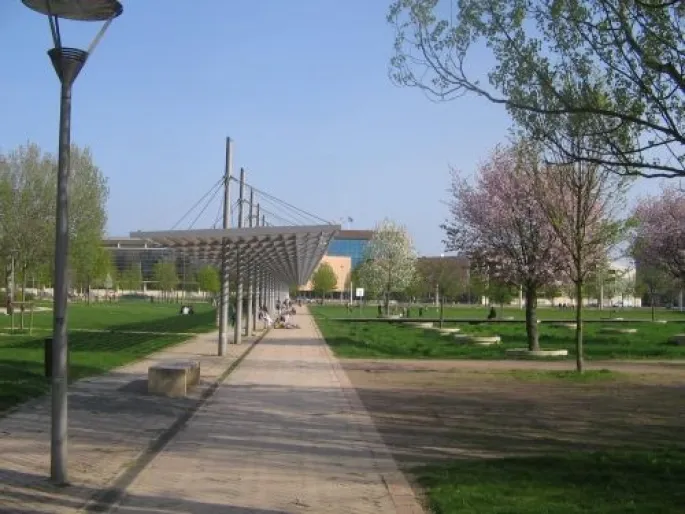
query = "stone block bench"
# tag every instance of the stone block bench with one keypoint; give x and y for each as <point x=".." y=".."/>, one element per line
<point x="615" y="330"/>
<point x="678" y="339"/>
<point x="173" y="378"/>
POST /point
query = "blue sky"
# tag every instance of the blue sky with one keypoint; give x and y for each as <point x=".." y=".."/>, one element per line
<point x="301" y="87"/>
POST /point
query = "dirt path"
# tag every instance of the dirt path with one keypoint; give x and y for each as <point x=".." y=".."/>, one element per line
<point x="428" y="411"/>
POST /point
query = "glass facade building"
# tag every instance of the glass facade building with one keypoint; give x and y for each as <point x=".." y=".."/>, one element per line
<point x="350" y="243"/>
<point x="127" y="253"/>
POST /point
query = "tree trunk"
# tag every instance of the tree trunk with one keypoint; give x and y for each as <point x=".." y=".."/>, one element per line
<point x="531" y="318"/>
<point x="579" y="326"/>
<point x="442" y="311"/>
<point x="23" y="297"/>
<point x="651" y="301"/>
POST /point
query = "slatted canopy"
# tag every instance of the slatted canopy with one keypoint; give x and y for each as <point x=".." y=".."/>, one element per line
<point x="288" y="254"/>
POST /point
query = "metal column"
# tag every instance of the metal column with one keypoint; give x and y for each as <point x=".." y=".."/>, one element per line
<point x="238" y="329"/>
<point x="225" y="292"/>
<point x="249" y="318"/>
<point x="257" y="284"/>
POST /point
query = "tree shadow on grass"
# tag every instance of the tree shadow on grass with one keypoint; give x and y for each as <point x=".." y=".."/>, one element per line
<point x="26" y="493"/>
<point x="21" y="380"/>
<point x="603" y="482"/>
<point x="22" y="374"/>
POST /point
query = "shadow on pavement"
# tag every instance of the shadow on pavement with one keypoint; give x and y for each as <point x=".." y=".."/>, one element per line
<point x="37" y="493"/>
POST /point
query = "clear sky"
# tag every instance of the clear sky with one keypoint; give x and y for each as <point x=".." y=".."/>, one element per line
<point x="301" y="87"/>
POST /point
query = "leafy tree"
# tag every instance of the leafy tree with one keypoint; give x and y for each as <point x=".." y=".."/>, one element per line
<point x="27" y="207"/>
<point x="447" y="275"/>
<point x="324" y="279"/>
<point x="103" y="268"/>
<point x="294" y="291"/>
<point x="164" y="273"/>
<point x="501" y="293"/>
<point x="418" y="286"/>
<point x="208" y="279"/>
<point x="87" y="216"/>
<point x="364" y="275"/>
<point x="132" y="278"/>
<point x="650" y="282"/>
<point x="27" y="211"/>
<point x="390" y="260"/>
<point x="498" y="223"/>
<point x="616" y="62"/>
<point x="580" y="201"/>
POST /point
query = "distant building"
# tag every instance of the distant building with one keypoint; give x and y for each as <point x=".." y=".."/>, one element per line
<point x="128" y="252"/>
<point x="352" y="244"/>
<point x="342" y="266"/>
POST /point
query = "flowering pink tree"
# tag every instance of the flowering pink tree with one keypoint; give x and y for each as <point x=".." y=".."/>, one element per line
<point x="660" y="233"/>
<point x="497" y="222"/>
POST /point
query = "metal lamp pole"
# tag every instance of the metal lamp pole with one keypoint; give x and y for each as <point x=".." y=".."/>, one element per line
<point x="68" y="62"/>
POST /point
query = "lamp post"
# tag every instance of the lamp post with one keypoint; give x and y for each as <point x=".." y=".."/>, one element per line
<point x="68" y="62"/>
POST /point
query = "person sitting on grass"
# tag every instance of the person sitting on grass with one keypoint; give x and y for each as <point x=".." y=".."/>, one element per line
<point x="493" y="313"/>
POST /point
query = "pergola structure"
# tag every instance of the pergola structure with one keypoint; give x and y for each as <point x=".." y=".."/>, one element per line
<point x="288" y="254"/>
<point x="268" y="259"/>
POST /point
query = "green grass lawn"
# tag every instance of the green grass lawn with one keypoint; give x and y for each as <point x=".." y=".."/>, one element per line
<point x="395" y="340"/>
<point x="588" y="483"/>
<point x="481" y="312"/>
<point x="21" y="355"/>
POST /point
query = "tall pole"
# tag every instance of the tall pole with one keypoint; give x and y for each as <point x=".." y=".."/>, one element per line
<point x="238" y="329"/>
<point x="250" y="274"/>
<point x="68" y="62"/>
<point x="257" y="283"/>
<point x="225" y="292"/>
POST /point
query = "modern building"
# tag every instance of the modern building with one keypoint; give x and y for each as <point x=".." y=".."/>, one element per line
<point x="342" y="267"/>
<point x="129" y="252"/>
<point x="352" y="244"/>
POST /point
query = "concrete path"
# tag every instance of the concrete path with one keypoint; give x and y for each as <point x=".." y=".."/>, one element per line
<point x="286" y="433"/>
<point x="112" y="422"/>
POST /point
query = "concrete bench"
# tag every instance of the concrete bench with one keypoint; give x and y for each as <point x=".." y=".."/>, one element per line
<point x="173" y="378"/>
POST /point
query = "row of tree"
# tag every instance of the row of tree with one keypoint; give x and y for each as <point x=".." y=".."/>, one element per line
<point x="596" y="90"/>
<point x="165" y="277"/>
<point x="27" y="216"/>
<point x="27" y="227"/>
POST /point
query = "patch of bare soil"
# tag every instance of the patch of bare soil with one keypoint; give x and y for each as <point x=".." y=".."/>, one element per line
<point x="428" y="411"/>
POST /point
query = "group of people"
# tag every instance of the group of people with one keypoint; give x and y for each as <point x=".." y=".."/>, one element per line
<point x="186" y="310"/>
<point x="285" y="311"/>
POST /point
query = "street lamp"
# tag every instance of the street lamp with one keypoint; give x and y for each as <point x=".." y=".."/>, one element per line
<point x="68" y="62"/>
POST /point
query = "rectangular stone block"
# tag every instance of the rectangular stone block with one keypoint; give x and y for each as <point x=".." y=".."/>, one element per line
<point x="173" y="378"/>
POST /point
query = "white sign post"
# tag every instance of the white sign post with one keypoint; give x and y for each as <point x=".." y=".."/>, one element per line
<point x="360" y="295"/>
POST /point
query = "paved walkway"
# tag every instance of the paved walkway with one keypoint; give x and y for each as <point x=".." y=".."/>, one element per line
<point x="112" y="421"/>
<point x="286" y="433"/>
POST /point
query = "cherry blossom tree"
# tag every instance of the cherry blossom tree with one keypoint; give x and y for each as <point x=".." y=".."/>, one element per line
<point x="497" y="222"/>
<point x="660" y="231"/>
<point x="659" y="239"/>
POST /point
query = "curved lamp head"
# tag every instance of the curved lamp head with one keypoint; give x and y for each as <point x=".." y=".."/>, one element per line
<point x="79" y="10"/>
